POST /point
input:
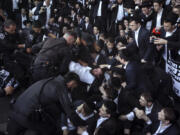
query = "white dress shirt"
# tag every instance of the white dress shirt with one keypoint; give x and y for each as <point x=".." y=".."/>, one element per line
<point x="148" y="24"/>
<point x="136" y="36"/>
<point x="100" y="121"/>
<point x="99" y="13"/>
<point x="97" y="36"/>
<point x="148" y="109"/>
<point x="96" y="59"/>
<point x="120" y="13"/>
<point x="23" y="18"/>
<point x="86" y="25"/>
<point x="168" y="2"/>
<point x="161" y="128"/>
<point x="83" y="72"/>
<point x="15" y="4"/>
<point x="158" y="20"/>
<point x="34" y="17"/>
<point x="48" y="11"/>
<point x="130" y="116"/>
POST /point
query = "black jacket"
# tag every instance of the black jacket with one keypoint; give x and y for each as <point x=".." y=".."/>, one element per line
<point x="137" y="79"/>
<point x="144" y="49"/>
<point x="172" y="130"/>
<point x="55" y="52"/>
<point x="2" y="92"/>
<point x="58" y="101"/>
<point x="164" y="14"/>
<point x="108" y="127"/>
<point x="8" y="42"/>
<point x="103" y="9"/>
<point x="89" y="28"/>
<point x="173" y="43"/>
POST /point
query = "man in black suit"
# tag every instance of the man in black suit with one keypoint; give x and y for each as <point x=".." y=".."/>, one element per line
<point x="141" y="44"/>
<point x="100" y="13"/>
<point x="136" y="79"/>
<point x="21" y="18"/>
<point x="12" y="8"/>
<point x="170" y="38"/>
<point x="104" y="123"/>
<point x="146" y="15"/>
<point x="166" y="124"/>
<point x="160" y="14"/>
<point x="87" y="27"/>
<point x="96" y="32"/>
<point x="117" y="15"/>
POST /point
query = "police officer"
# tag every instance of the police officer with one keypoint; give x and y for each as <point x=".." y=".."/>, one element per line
<point x="54" y="57"/>
<point x="34" y="36"/>
<point x="9" y="39"/>
<point x="9" y="42"/>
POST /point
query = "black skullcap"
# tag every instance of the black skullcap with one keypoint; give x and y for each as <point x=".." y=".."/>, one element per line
<point x="146" y="4"/>
<point x="100" y="43"/>
<point x="158" y="1"/>
<point x="123" y="40"/>
<point x="37" y="24"/>
<point x="172" y="18"/>
<point x="87" y="38"/>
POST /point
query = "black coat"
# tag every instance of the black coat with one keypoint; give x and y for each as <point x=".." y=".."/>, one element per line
<point x="153" y="116"/>
<point x="56" y="52"/>
<point x="19" y="20"/>
<point x="101" y="60"/>
<point x="144" y="49"/>
<point x="172" y="130"/>
<point x="103" y="9"/>
<point x="125" y="104"/>
<point x="8" y="42"/>
<point x="89" y="29"/>
<point x="164" y="14"/>
<point x="54" y="94"/>
<point x="174" y="44"/>
<point x="146" y="19"/>
<point x="108" y="127"/>
<point x="114" y="13"/>
<point x="136" y="79"/>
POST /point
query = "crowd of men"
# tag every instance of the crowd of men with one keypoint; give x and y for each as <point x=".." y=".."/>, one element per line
<point x="90" y="67"/>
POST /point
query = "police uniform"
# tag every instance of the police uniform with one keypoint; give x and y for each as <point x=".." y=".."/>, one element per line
<point x="9" y="58"/>
<point x="8" y="43"/>
<point x="33" y="37"/>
